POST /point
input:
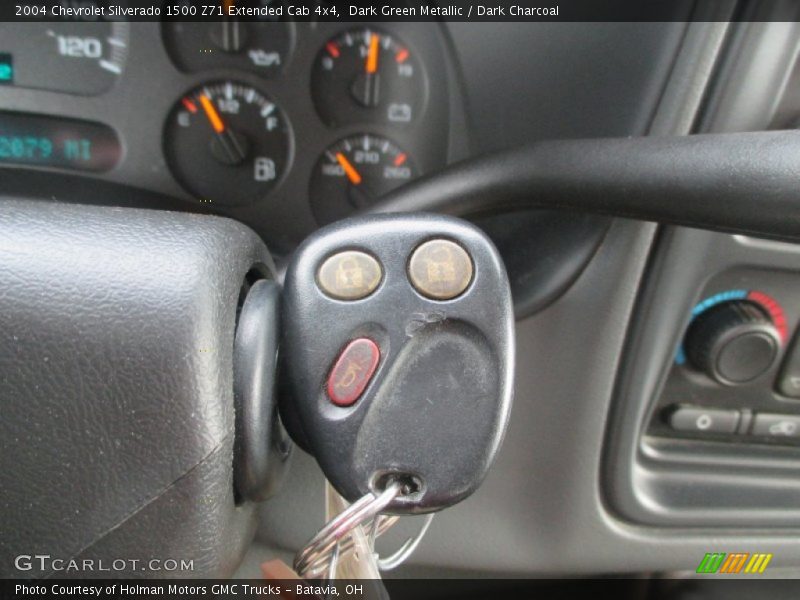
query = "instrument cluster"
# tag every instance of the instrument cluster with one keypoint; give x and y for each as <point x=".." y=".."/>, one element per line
<point x="265" y="121"/>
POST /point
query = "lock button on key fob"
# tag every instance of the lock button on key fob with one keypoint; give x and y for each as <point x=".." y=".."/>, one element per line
<point x="409" y="376"/>
<point x="349" y="275"/>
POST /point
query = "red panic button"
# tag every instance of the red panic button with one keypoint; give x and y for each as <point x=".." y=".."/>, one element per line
<point x="352" y="371"/>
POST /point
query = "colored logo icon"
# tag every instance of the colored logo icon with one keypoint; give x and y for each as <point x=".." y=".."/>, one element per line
<point x="734" y="563"/>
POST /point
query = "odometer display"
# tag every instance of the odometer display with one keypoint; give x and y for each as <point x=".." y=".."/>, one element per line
<point x="57" y="143"/>
<point x="227" y="143"/>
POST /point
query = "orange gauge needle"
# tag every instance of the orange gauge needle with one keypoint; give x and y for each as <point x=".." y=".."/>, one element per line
<point x="349" y="169"/>
<point x="212" y="114"/>
<point x="372" y="55"/>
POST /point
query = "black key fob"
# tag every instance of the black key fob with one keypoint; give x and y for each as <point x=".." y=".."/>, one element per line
<point x="398" y="356"/>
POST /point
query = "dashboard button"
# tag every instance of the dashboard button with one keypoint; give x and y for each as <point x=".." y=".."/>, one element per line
<point x="780" y="426"/>
<point x="696" y="419"/>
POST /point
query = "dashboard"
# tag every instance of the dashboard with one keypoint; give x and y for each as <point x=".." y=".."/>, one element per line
<point x="284" y="126"/>
<point x="288" y="126"/>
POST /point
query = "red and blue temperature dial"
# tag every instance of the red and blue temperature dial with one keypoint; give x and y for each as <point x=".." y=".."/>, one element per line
<point x="734" y="336"/>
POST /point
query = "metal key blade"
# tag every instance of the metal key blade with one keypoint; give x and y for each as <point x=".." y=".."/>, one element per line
<point x="361" y="562"/>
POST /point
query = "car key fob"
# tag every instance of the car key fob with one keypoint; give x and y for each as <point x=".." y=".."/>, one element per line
<point x="398" y="352"/>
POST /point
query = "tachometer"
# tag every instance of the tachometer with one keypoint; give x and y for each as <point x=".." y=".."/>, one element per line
<point x="227" y="143"/>
<point x="76" y="58"/>
<point x="354" y="173"/>
<point x="365" y="75"/>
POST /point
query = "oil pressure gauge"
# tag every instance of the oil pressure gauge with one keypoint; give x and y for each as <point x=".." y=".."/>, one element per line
<point x="260" y="47"/>
<point x="354" y="173"/>
<point x="227" y="143"/>
<point x="367" y="76"/>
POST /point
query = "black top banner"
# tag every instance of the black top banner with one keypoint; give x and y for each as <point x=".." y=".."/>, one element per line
<point x="392" y="10"/>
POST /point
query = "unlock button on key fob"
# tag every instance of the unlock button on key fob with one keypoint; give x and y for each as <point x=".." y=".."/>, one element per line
<point x="352" y="371"/>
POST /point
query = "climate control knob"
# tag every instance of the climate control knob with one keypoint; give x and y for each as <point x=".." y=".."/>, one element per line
<point x="733" y="343"/>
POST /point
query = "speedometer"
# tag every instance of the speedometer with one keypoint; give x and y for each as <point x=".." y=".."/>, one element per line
<point x="76" y="58"/>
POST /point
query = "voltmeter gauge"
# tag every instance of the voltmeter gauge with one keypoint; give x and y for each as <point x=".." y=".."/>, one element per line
<point x="365" y="75"/>
<point x="227" y="143"/>
<point x="354" y="173"/>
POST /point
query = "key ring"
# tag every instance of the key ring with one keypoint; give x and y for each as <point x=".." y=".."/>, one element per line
<point x="384" y="524"/>
<point x="316" y="556"/>
<point x="402" y="553"/>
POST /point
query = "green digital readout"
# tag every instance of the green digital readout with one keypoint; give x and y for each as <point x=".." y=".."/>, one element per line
<point x="6" y="69"/>
<point x="59" y="143"/>
<point x="25" y="148"/>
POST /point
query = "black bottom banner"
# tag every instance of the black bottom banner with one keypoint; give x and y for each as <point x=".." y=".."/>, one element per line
<point x="418" y="589"/>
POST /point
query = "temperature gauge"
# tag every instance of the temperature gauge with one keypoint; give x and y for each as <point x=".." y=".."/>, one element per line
<point x="354" y="173"/>
<point x="367" y="76"/>
<point x="227" y="143"/>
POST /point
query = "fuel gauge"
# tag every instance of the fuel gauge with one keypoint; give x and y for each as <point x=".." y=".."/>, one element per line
<point x="354" y="173"/>
<point x="227" y="143"/>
